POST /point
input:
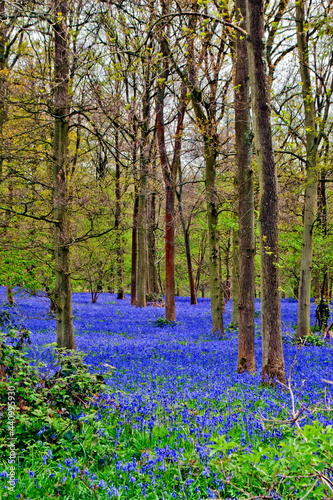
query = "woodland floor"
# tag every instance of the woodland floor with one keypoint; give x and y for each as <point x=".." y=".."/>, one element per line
<point x="179" y="420"/>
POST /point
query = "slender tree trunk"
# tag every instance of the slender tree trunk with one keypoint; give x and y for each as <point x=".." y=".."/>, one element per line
<point x="142" y="240"/>
<point x="170" y="306"/>
<point x="153" y="284"/>
<point x="273" y="361"/>
<point x="145" y="152"/>
<point x="221" y="275"/>
<point x="201" y="257"/>
<point x="227" y="266"/>
<point x="134" y="249"/>
<point x="212" y="219"/>
<point x="246" y="250"/>
<point x="169" y="175"/>
<point x="3" y="119"/>
<point x="63" y="290"/>
<point x="310" y="196"/>
<point x="187" y="244"/>
<point x="322" y="215"/>
<point x="3" y="83"/>
<point x="235" y="279"/>
<point x="119" y="243"/>
<point x="9" y="294"/>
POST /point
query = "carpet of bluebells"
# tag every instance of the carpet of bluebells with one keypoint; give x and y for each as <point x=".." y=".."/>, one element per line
<point x="174" y="396"/>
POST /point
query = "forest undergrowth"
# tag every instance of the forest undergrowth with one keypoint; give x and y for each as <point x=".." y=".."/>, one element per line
<point x="159" y="412"/>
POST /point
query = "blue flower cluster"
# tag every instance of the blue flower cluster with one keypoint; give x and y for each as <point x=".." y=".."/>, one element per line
<point x="181" y="379"/>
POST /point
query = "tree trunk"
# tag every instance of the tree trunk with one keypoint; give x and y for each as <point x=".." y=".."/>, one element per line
<point x="170" y="306"/>
<point x="63" y="290"/>
<point x="187" y="243"/>
<point x="273" y="361"/>
<point x="134" y="248"/>
<point x="212" y="219"/>
<point x="142" y="241"/>
<point x="235" y="279"/>
<point x="227" y="266"/>
<point x="9" y="294"/>
<point x="145" y="152"/>
<point x="3" y="119"/>
<point x="322" y="216"/>
<point x="119" y="242"/>
<point x="153" y="285"/>
<point x="310" y="196"/>
<point x="246" y="250"/>
<point x="169" y="175"/>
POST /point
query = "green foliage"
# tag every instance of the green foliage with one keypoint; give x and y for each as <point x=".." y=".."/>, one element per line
<point x="311" y="339"/>
<point x="161" y="322"/>
<point x="297" y="464"/>
<point x="47" y="398"/>
<point x="155" y="298"/>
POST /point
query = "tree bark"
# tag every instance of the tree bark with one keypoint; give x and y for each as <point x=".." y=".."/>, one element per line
<point x="3" y="83"/>
<point x="142" y="238"/>
<point x="179" y="193"/>
<point x="134" y="253"/>
<point x="227" y="287"/>
<point x="153" y="284"/>
<point x="169" y="174"/>
<point x="170" y="306"/>
<point x="310" y="196"/>
<point x="119" y="242"/>
<point x="205" y="113"/>
<point x="273" y="361"/>
<point x="235" y="279"/>
<point x="216" y="297"/>
<point x="246" y="236"/>
<point x="63" y="290"/>
<point x="145" y="152"/>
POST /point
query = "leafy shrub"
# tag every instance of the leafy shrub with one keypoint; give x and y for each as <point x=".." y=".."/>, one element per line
<point x="311" y="339"/>
<point x="154" y="298"/>
<point x="300" y="463"/>
<point x="161" y="322"/>
<point x="46" y="397"/>
<point x="232" y="326"/>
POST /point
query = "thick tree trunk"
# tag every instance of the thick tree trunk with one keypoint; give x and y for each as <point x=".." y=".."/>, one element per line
<point x="119" y="242"/>
<point x="246" y="250"/>
<point x="63" y="290"/>
<point x="273" y="361"/>
<point x="310" y="196"/>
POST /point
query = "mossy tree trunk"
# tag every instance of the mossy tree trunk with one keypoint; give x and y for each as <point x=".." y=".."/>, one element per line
<point x="310" y="195"/>
<point x="63" y="289"/>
